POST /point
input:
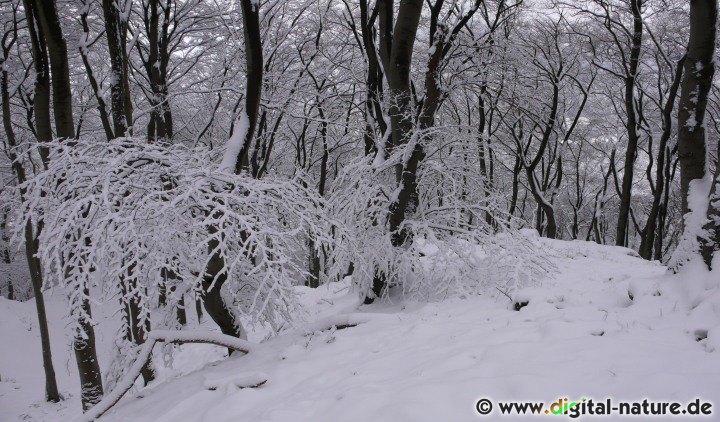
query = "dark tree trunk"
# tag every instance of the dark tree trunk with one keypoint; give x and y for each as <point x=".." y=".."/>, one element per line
<point x="91" y="388"/>
<point x="396" y="49"/>
<point x="313" y="279"/>
<point x="162" y="294"/>
<point x="517" y="168"/>
<point x="181" y="314"/>
<point x="630" y="125"/>
<point x="34" y="265"/>
<point x="51" y="390"/>
<point x="59" y="69"/>
<point x="156" y="66"/>
<point x="596" y="221"/>
<point x="135" y="332"/>
<point x="212" y="299"/>
<point x="102" y="108"/>
<point x="485" y="154"/>
<point x="11" y="296"/>
<point x="373" y="106"/>
<point x="692" y="142"/>
<point x="121" y="112"/>
<point x="198" y="308"/>
<point x="697" y="81"/>
<point x="710" y="240"/>
<point x="84" y="341"/>
<point x="31" y="249"/>
<point x="215" y="275"/>
<point x="651" y="226"/>
<point x="170" y="282"/>
<point x="41" y="92"/>
<point x="545" y="207"/>
<point x="254" y="62"/>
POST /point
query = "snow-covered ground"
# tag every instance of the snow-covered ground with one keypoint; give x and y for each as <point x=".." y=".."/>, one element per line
<point x="606" y="324"/>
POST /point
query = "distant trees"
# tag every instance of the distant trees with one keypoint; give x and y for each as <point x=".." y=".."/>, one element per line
<point x="228" y="151"/>
<point x="413" y="117"/>
<point x="543" y="125"/>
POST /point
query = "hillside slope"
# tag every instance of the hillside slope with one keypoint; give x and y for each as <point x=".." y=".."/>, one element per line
<point x="606" y="324"/>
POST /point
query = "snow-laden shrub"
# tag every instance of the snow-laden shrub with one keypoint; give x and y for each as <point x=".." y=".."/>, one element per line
<point x="463" y="241"/>
<point x="136" y="211"/>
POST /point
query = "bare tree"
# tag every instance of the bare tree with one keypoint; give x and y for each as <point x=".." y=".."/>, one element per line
<point x="237" y="160"/>
<point x="84" y="342"/>
<point x="9" y="40"/>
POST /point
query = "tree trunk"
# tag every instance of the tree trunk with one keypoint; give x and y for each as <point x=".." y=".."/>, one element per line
<point x="59" y="68"/>
<point x="51" y="390"/>
<point x="114" y="35"/>
<point x="198" y="308"/>
<point x="396" y="49"/>
<point x="84" y="341"/>
<point x="631" y="126"/>
<point x="710" y="239"/>
<point x="156" y="64"/>
<point x="692" y="142"/>
<point x="373" y="106"/>
<point x="34" y="265"/>
<point x="651" y="225"/>
<point x="102" y="109"/>
<point x="315" y="259"/>
<point x="135" y="331"/>
<point x="91" y="388"/>
<point x="177" y="337"/>
<point x="41" y="92"/>
<point x="697" y="81"/>
<point x="215" y="275"/>
<point x="213" y="301"/>
<point x="254" y="62"/>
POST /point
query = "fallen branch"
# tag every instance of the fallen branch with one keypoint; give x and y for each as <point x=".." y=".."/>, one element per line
<point x="181" y="337"/>
<point x="341" y="321"/>
<point x="160" y="336"/>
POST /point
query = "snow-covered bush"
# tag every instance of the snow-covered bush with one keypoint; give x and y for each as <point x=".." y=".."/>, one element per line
<point x="463" y="241"/>
<point x="136" y="211"/>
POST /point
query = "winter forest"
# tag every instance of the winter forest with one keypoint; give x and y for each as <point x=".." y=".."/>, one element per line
<point x="355" y="210"/>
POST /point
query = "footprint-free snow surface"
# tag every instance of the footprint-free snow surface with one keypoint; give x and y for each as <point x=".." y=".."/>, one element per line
<point x="604" y="324"/>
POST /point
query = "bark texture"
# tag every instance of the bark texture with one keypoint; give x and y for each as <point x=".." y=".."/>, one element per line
<point x="696" y="83"/>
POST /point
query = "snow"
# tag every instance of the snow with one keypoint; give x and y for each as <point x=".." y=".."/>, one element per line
<point x="698" y="198"/>
<point x="241" y="380"/>
<point x="168" y="336"/>
<point x="605" y="324"/>
<point x="235" y="144"/>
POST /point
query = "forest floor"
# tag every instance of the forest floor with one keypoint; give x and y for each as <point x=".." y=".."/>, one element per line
<point x="605" y="324"/>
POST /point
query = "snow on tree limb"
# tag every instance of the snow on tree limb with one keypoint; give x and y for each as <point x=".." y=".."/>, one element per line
<point x="455" y="251"/>
<point x="160" y="336"/>
<point x="235" y="144"/>
<point x="197" y="336"/>
<point x="157" y="208"/>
